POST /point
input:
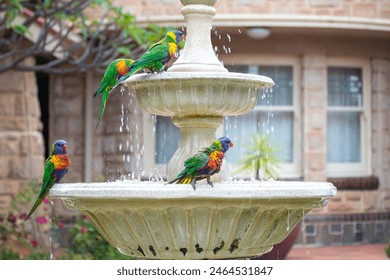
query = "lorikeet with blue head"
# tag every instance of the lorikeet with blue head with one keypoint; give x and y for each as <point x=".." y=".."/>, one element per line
<point x="115" y="70"/>
<point x="204" y="164"/>
<point x="157" y="56"/>
<point x="56" y="166"/>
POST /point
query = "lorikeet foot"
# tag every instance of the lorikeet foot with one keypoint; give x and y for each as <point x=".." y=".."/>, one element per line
<point x="193" y="185"/>
<point x="209" y="182"/>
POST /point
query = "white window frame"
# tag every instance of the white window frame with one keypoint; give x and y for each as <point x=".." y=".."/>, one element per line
<point x="291" y="170"/>
<point x="363" y="168"/>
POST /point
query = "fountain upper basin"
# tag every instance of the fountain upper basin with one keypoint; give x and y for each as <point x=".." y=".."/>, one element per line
<point x="179" y="94"/>
<point x="152" y="220"/>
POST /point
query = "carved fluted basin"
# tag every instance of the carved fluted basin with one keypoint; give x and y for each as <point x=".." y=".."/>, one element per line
<point x="180" y="94"/>
<point x="151" y="220"/>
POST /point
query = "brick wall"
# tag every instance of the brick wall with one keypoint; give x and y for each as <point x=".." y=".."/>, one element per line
<point x="314" y="87"/>
<point x="344" y="8"/>
<point x="66" y="122"/>
<point x="21" y="141"/>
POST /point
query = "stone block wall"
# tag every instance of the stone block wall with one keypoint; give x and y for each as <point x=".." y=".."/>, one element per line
<point x="344" y="8"/>
<point x="119" y="136"/>
<point x="21" y="141"/>
<point x="380" y="101"/>
<point x="117" y="146"/>
<point x="66" y="113"/>
<point x="314" y="117"/>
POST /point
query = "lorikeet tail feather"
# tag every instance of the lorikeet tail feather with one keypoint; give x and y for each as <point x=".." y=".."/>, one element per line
<point x="36" y="204"/>
<point x="102" y="107"/>
<point x="181" y="180"/>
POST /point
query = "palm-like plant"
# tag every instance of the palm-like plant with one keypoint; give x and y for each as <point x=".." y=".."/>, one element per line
<point x="260" y="156"/>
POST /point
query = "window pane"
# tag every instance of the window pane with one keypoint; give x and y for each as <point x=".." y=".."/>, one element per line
<point x="167" y="139"/>
<point x="344" y="137"/>
<point x="278" y="125"/>
<point x="283" y="90"/>
<point x="280" y="128"/>
<point x="345" y="87"/>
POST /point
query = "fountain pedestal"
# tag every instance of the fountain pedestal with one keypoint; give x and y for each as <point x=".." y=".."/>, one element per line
<point x="233" y="219"/>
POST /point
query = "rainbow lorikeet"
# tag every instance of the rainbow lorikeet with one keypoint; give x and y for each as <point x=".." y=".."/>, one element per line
<point x="115" y="70"/>
<point x="157" y="56"/>
<point x="204" y="164"/>
<point x="56" y="166"/>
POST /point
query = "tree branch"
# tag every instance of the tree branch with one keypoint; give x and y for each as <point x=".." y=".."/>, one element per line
<point x="99" y="40"/>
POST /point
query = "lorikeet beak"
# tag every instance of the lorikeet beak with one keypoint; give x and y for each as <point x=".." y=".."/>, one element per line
<point x="64" y="147"/>
<point x="182" y="38"/>
<point x="231" y="144"/>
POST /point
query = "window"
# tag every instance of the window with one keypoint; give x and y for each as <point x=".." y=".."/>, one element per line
<point x="347" y="119"/>
<point x="276" y="114"/>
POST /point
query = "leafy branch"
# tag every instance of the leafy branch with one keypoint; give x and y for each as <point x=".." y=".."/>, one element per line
<point x="69" y="36"/>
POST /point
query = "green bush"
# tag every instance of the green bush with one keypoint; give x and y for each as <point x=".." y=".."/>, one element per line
<point x="31" y="237"/>
<point x="260" y="156"/>
<point x="86" y="243"/>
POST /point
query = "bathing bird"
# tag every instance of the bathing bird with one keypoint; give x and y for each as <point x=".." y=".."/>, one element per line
<point x="56" y="166"/>
<point x="204" y="164"/>
<point x="115" y="70"/>
<point x="155" y="58"/>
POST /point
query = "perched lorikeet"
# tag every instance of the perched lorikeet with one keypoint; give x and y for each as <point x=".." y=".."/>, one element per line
<point x="204" y="164"/>
<point x="157" y="56"/>
<point x="56" y="167"/>
<point x="117" y="69"/>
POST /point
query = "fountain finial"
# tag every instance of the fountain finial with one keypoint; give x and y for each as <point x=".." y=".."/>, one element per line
<point x="198" y="54"/>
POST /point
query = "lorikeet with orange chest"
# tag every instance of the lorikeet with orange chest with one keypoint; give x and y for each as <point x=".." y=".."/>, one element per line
<point x="157" y="56"/>
<point x="116" y="70"/>
<point x="204" y="164"/>
<point x="56" y="167"/>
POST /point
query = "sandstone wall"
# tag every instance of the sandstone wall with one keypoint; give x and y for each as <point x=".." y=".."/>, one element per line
<point x="21" y="141"/>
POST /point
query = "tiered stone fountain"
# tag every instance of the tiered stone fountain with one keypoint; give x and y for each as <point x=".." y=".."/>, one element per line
<point x="152" y="220"/>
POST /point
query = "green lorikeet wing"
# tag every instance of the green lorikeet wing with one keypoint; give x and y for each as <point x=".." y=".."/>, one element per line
<point x="47" y="182"/>
<point x="154" y="60"/>
<point x="191" y="169"/>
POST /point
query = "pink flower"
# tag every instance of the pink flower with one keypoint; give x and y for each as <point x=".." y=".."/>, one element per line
<point x="34" y="243"/>
<point x="60" y="225"/>
<point x="45" y="201"/>
<point x="22" y="216"/>
<point x="11" y="219"/>
<point x="83" y="229"/>
<point x="41" y="220"/>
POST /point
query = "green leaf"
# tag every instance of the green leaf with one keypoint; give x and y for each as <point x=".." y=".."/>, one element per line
<point x="21" y="29"/>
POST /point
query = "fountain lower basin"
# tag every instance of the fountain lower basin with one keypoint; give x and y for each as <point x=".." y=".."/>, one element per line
<point x="150" y="220"/>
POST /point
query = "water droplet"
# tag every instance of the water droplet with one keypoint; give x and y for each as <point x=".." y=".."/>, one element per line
<point x="288" y="220"/>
